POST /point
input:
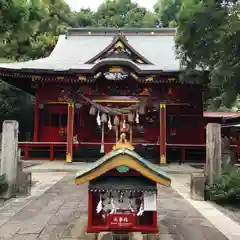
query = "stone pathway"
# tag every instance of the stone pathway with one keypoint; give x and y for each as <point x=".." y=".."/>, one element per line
<point x="61" y="213"/>
<point x="232" y="212"/>
<point x="219" y="219"/>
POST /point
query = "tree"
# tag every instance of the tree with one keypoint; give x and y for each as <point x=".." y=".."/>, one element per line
<point x="168" y="11"/>
<point x="30" y="27"/>
<point x="207" y="39"/>
<point x="84" y="18"/>
<point x="16" y="104"/>
<point x="123" y="13"/>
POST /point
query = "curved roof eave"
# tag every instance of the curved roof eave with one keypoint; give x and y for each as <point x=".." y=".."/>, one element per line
<point x="116" y="158"/>
<point x="87" y="68"/>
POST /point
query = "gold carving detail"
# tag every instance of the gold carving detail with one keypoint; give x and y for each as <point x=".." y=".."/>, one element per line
<point x="36" y="78"/>
<point x="123" y="143"/>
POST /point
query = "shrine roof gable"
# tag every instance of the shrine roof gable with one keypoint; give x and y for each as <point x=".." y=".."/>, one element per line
<point x="119" y="48"/>
<point x="122" y="157"/>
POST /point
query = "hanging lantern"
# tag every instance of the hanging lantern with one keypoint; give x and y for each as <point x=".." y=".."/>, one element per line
<point x="92" y="111"/>
<point x="142" y="110"/>
<point x="104" y="118"/>
<point x="116" y="121"/>
<point x="130" y="117"/>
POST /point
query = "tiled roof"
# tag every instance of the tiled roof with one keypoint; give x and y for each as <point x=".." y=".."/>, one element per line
<point x="73" y="50"/>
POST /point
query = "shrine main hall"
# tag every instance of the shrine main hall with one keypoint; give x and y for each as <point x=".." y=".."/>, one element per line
<point x="99" y="83"/>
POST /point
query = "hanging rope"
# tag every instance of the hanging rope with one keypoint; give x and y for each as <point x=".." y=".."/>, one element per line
<point x="112" y="111"/>
<point x="102" y="141"/>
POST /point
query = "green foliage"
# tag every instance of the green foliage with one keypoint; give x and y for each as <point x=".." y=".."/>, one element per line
<point x="208" y="39"/>
<point x="16" y="104"/>
<point x="123" y="13"/>
<point x="167" y="12"/>
<point x="3" y="184"/>
<point x="227" y="187"/>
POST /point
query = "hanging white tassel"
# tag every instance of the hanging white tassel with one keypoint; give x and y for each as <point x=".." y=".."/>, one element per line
<point x="137" y="118"/>
<point x="130" y="205"/>
<point x="141" y="210"/>
<point x="98" y="119"/>
<point x="99" y="206"/>
<point x="130" y="202"/>
<point x="109" y="123"/>
<point x="102" y="142"/>
<point x="121" y="197"/>
<point x="113" y="207"/>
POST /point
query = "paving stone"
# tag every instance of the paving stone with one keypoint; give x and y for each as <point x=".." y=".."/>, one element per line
<point x="35" y="225"/>
<point x="163" y="228"/>
<point x="169" y="237"/>
<point x="134" y="236"/>
<point x="64" y="216"/>
<point x="8" y="230"/>
<point x="105" y="236"/>
<point x="53" y="206"/>
<point x="212" y="233"/>
<point x="77" y="228"/>
<point x="52" y="232"/>
<point x="25" y="237"/>
<point x="70" y="204"/>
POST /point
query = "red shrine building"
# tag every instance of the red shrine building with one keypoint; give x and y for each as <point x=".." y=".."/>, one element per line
<point x="98" y="83"/>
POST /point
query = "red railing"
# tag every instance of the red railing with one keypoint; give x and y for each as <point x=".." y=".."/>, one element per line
<point x="61" y="146"/>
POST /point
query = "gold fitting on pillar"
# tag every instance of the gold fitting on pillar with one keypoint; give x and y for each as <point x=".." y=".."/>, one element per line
<point x="163" y="159"/>
<point x="69" y="158"/>
<point x="162" y="106"/>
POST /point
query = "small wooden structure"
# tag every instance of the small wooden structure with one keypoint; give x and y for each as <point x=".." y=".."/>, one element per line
<point x="122" y="191"/>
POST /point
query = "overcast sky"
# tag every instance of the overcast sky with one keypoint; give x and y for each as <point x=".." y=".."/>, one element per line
<point x="93" y="4"/>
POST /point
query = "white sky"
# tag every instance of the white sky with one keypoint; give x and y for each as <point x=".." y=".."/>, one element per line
<point x="94" y="4"/>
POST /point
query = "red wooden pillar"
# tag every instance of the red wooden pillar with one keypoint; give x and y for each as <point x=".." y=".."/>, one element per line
<point x="26" y="151"/>
<point x="163" y="137"/>
<point x="90" y="209"/>
<point x="155" y="225"/>
<point x="70" y="126"/>
<point x="51" y="152"/>
<point x="36" y="117"/>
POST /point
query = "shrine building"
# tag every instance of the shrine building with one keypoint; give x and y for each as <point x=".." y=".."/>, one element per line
<point x="98" y="83"/>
